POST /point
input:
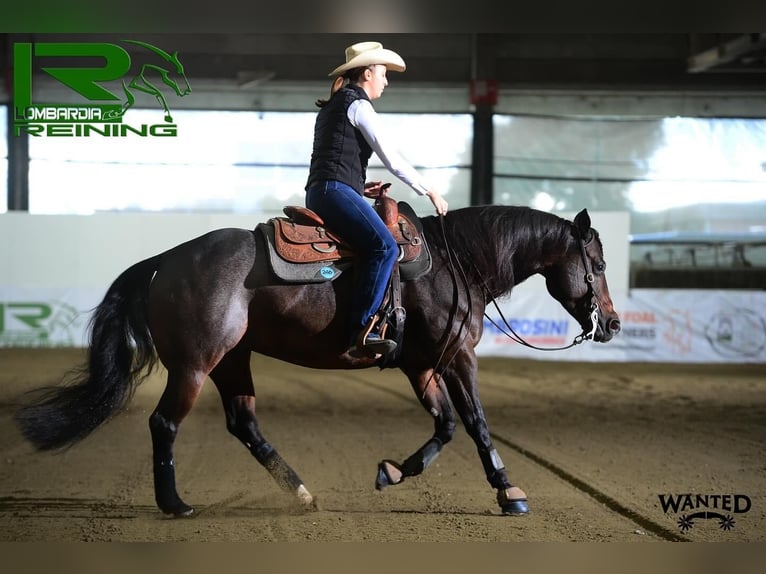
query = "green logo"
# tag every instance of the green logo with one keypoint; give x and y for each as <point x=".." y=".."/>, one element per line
<point x="38" y="324"/>
<point x="103" y="114"/>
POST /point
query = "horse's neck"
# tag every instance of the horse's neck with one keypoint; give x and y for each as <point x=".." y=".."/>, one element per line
<point x="501" y="246"/>
<point x="545" y="244"/>
<point x="533" y="242"/>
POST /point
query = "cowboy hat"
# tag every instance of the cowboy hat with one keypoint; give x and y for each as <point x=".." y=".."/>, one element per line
<point x="368" y="53"/>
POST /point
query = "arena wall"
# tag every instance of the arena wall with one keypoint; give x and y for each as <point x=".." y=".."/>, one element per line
<point x="55" y="268"/>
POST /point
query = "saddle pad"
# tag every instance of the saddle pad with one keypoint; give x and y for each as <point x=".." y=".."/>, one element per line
<point x="311" y="272"/>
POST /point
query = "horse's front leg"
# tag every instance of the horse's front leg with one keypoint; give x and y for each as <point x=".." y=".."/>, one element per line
<point x="461" y="381"/>
<point x="148" y="88"/>
<point x="433" y="396"/>
<point x="163" y="102"/>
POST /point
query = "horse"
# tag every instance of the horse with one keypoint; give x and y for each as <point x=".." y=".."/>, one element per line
<point x="203" y="306"/>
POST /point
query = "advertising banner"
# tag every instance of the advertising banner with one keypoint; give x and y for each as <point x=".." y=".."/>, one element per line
<point x="658" y="325"/>
<point x="677" y="326"/>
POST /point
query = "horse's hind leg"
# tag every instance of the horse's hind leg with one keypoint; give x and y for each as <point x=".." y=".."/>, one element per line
<point x="179" y="396"/>
<point x="430" y="390"/>
<point x="234" y="381"/>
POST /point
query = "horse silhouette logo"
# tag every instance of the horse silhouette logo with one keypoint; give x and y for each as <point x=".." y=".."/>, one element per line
<point x="172" y="74"/>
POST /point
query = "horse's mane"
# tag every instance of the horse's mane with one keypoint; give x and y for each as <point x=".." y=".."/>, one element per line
<point x="498" y="245"/>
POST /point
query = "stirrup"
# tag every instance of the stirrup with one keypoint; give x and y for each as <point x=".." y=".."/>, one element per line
<point x="369" y="343"/>
<point x="378" y="345"/>
<point x="376" y="348"/>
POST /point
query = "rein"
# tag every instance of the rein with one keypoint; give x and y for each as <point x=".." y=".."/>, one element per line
<point x="440" y="366"/>
<point x="584" y="336"/>
<point x="454" y="265"/>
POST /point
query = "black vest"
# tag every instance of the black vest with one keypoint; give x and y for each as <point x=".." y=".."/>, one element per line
<point x="340" y="150"/>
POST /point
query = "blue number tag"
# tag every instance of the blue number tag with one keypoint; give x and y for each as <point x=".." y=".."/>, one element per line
<point x="327" y="272"/>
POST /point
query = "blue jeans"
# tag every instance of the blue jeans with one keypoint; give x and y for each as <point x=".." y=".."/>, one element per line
<point x="353" y="218"/>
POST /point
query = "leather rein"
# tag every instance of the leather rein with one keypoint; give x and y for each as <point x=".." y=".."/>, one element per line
<point x="586" y="335"/>
<point x="455" y="266"/>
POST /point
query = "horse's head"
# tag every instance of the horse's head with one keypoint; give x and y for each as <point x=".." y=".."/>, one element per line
<point x="175" y="76"/>
<point x="172" y="72"/>
<point x="578" y="282"/>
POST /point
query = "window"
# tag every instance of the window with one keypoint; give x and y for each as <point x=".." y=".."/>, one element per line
<point x="241" y="162"/>
<point x="672" y="174"/>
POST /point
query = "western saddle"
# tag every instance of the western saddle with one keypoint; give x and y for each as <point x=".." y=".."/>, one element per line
<point x="302" y="249"/>
<point x="302" y="237"/>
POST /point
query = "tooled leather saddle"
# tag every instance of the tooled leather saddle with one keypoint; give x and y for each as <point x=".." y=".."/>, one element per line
<point x="303" y="250"/>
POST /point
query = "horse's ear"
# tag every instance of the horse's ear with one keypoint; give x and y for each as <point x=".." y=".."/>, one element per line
<point x="582" y="223"/>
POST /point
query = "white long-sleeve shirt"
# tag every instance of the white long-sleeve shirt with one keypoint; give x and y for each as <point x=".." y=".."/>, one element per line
<point x="363" y="116"/>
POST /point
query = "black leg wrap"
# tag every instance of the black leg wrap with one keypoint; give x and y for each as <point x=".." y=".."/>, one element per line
<point x="285" y="476"/>
<point x="165" y="493"/>
<point x="419" y="461"/>
<point x="263" y="452"/>
<point x="494" y="468"/>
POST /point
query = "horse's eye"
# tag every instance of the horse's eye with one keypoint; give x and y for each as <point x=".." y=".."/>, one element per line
<point x="600" y="267"/>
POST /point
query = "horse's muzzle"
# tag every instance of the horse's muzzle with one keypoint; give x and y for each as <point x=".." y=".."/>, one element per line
<point x="612" y="327"/>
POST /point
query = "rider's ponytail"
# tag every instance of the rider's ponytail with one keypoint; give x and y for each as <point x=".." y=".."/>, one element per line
<point x="337" y="84"/>
<point x="351" y="76"/>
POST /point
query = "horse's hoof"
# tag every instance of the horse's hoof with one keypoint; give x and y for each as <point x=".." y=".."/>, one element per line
<point x="513" y="501"/>
<point x="180" y="511"/>
<point x="389" y="473"/>
<point x="305" y="498"/>
<point x="518" y="507"/>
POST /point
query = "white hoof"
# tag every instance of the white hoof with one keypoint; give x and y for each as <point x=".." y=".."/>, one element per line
<point x="304" y="496"/>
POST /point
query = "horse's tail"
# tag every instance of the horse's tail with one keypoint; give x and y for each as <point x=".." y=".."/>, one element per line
<point x="120" y="356"/>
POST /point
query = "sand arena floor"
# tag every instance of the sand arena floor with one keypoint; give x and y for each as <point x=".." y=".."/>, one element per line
<point x="593" y="445"/>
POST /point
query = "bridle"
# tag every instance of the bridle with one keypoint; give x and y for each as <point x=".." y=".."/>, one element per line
<point x="455" y="266"/>
<point x="586" y="335"/>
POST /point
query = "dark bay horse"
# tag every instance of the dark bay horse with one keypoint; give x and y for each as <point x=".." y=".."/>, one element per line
<point x="204" y="306"/>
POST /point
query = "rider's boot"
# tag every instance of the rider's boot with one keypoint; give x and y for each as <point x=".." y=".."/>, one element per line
<point x="370" y="342"/>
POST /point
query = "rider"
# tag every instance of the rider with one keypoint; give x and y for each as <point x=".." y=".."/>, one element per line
<point x="346" y="132"/>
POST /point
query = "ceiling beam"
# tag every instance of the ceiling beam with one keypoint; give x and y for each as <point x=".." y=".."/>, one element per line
<point x="714" y="59"/>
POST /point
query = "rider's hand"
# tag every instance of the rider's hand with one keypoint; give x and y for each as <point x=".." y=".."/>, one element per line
<point x="439" y="202"/>
<point x="373" y="186"/>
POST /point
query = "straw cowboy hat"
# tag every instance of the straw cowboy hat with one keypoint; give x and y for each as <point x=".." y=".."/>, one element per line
<point x="369" y="53"/>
